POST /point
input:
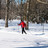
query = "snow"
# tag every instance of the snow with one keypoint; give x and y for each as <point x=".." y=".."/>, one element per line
<point x="12" y="36"/>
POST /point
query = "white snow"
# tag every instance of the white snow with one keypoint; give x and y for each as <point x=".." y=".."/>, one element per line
<point x="12" y="36"/>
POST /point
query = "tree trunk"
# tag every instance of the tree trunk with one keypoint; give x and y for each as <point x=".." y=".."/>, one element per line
<point x="7" y="13"/>
<point x="0" y="9"/>
<point x="22" y="9"/>
<point x="27" y="15"/>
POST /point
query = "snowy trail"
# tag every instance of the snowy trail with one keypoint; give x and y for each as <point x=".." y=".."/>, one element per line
<point x="11" y="37"/>
<point x="14" y="39"/>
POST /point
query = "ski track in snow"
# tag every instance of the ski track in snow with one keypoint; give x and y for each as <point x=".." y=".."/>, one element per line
<point x="11" y="37"/>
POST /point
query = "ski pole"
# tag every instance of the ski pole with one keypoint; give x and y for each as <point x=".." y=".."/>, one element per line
<point x="18" y="28"/>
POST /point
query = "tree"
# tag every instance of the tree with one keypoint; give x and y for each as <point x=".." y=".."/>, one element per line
<point x="27" y="15"/>
<point x="7" y="13"/>
<point x="12" y="10"/>
<point x="21" y="9"/>
<point x="0" y="9"/>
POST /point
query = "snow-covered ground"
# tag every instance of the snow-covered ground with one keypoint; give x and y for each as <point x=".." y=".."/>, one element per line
<point x="11" y="37"/>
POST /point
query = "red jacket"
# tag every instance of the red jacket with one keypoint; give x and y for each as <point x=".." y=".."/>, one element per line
<point x="22" y="24"/>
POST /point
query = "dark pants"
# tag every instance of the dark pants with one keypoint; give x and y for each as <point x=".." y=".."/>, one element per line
<point x="23" y="31"/>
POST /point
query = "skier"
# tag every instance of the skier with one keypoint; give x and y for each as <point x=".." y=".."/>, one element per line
<point x="23" y="25"/>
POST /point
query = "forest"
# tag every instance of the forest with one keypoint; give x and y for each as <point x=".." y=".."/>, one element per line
<point x="29" y="10"/>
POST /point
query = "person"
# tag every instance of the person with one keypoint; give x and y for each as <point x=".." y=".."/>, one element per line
<point x="23" y="25"/>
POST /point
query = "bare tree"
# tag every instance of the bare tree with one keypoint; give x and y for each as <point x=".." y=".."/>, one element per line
<point x="27" y="15"/>
<point x="7" y="13"/>
<point x="0" y="9"/>
<point x="21" y="9"/>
